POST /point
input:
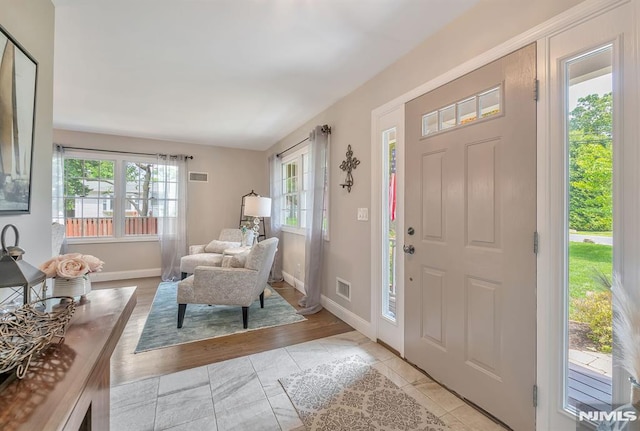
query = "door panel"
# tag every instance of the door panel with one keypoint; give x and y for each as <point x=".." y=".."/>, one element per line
<point x="471" y="193"/>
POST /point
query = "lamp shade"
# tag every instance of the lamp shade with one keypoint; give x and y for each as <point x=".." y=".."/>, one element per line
<point x="257" y="206"/>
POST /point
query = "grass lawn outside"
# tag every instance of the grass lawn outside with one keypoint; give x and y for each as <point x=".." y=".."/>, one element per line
<point x="585" y="261"/>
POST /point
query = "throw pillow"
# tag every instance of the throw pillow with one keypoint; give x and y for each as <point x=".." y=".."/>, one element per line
<point x="239" y="260"/>
<point x="217" y="246"/>
<point x="236" y="261"/>
<point x="255" y="257"/>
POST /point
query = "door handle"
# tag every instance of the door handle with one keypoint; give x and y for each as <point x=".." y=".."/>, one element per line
<point x="409" y="249"/>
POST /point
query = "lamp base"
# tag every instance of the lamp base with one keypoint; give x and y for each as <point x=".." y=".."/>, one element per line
<point x="256" y="229"/>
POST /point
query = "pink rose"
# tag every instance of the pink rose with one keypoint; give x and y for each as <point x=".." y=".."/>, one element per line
<point x="70" y="256"/>
<point x="50" y="267"/>
<point x="94" y="263"/>
<point x="72" y="268"/>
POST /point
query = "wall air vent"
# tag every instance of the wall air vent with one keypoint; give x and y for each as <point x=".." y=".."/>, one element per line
<point x="343" y="288"/>
<point x="199" y="177"/>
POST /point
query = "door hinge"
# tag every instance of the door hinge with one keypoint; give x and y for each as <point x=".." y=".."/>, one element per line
<point x="536" y="242"/>
<point x="535" y="395"/>
<point x="536" y="90"/>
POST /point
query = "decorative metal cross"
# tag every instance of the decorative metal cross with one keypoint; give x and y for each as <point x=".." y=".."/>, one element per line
<point x="348" y="165"/>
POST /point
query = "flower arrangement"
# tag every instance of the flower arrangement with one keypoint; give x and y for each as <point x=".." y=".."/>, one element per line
<point x="71" y="265"/>
<point x="244" y="229"/>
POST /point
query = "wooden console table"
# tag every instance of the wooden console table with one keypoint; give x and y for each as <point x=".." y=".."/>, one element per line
<point x="67" y="387"/>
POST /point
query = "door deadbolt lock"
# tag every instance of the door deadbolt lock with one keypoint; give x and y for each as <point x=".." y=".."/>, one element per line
<point x="411" y="231"/>
<point x="409" y="249"/>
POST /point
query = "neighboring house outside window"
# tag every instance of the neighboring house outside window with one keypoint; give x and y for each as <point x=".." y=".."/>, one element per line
<point x="115" y="196"/>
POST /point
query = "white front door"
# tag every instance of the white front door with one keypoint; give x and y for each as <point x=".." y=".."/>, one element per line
<point x="470" y="267"/>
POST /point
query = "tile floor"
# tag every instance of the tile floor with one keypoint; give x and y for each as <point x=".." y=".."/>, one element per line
<point x="244" y="394"/>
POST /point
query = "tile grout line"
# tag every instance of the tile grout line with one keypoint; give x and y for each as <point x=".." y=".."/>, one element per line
<point x="213" y="404"/>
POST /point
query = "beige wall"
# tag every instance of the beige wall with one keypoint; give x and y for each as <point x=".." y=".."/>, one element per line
<point x="210" y="206"/>
<point x="347" y="255"/>
<point x="31" y="23"/>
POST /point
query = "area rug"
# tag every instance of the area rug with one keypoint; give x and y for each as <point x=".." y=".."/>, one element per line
<point x="348" y="394"/>
<point x="203" y="321"/>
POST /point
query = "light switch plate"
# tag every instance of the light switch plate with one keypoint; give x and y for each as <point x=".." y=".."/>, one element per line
<point x="363" y="214"/>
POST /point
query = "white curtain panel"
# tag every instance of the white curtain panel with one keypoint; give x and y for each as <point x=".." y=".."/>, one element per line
<point x="315" y="236"/>
<point x="57" y="202"/>
<point x="57" y="185"/>
<point x="275" y="228"/>
<point x="171" y="189"/>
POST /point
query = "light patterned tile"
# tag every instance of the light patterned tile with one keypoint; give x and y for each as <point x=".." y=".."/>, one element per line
<point x="351" y="336"/>
<point x="424" y="400"/>
<point x="271" y="366"/>
<point x="182" y="407"/>
<point x="406" y="371"/>
<point x="141" y="392"/>
<point x="309" y="354"/>
<point x="390" y="374"/>
<point x="269" y="377"/>
<point x="286" y="414"/>
<point x="379" y="351"/>
<point x="187" y="379"/>
<point x="230" y="368"/>
<point x="475" y="420"/>
<point x="203" y="424"/>
<point x="133" y="417"/>
<point x="340" y="352"/>
<point x="238" y="390"/>
<point x="442" y="396"/>
<point x="256" y="416"/>
<point x="270" y="358"/>
<point x="454" y="423"/>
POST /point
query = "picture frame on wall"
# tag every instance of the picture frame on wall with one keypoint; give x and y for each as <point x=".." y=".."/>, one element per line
<point x="18" y="77"/>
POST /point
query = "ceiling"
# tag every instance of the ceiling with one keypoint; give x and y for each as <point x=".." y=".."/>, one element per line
<point x="231" y="73"/>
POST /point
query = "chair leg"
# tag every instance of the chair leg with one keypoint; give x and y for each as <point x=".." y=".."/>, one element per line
<point x="182" y="308"/>
<point x="183" y="275"/>
<point x="245" y="317"/>
<point x="262" y="299"/>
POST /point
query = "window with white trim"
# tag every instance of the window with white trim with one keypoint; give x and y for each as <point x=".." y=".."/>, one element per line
<point x="295" y="185"/>
<point x="116" y="195"/>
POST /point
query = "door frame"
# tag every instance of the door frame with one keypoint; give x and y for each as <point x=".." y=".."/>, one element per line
<point x="568" y="18"/>
<point x="391" y="118"/>
<point x="551" y="217"/>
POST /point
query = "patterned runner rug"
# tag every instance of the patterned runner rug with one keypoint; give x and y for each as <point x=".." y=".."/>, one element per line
<point x="348" y="394"/>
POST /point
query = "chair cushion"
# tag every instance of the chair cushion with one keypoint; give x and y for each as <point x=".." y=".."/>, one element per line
<point x="188" y="263"/>
<point x="217" y="246"/>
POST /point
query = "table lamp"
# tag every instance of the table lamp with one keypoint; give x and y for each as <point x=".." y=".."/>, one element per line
<point x="257" y="206"/>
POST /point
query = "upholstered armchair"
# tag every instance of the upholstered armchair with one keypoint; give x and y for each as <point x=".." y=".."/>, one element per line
<point x="211" y="254"/>
<point x="228" y="285"/>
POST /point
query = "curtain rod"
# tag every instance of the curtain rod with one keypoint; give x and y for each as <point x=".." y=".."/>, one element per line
<point x="124" y="152"/>
<point x="292" y="147"/>
<point x="325" y="129"/>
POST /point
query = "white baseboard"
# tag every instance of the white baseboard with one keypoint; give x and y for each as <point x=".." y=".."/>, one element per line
<point x="336" y="309"/>
<point x="349" y="317"/>
<point x="123" y="275"/>
<point x="298" y="284"/>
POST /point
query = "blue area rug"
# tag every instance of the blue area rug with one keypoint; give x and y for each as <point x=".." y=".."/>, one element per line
<point x="203" y="321"/>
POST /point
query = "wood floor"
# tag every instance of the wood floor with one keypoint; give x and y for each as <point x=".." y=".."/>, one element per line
<point x="127" y="366"/>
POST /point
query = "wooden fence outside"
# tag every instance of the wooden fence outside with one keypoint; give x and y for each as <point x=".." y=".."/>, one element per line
<point x="85" y="227"/>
